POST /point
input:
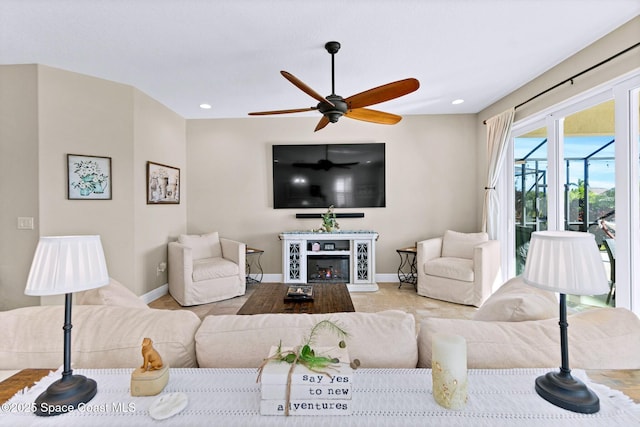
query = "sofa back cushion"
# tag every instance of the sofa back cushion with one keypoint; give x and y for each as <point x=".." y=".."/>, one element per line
<point x="515" y="301"/>
<point x="601" y="338"/>
<point x="379" y="340"/>
<point x="203" y="245"/>
<point x="102" y="336"/>
<point x="460" y="245"/>
<point x="115" y="293"/>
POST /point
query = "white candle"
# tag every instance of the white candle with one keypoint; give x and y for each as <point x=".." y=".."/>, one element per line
<point x="449" y="370"/>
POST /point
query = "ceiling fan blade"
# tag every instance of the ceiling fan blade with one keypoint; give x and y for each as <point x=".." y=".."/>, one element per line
<point x="322" y="123"/>
<point x="306" y="89"/>
<point x="373" y="116"/>
<point x="382" y="93"/>
<point x="295" y="110"/>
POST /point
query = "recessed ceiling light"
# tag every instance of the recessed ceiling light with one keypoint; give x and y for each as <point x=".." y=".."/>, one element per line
<point x="457" y="101"/>
<point x="205" y="106"/>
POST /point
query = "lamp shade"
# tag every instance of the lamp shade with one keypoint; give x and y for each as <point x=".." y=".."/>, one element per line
<point x="66" y="264"/>
<point x="567" y="262"/>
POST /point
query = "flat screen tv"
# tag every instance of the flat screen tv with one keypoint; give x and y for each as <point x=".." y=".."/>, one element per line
<point x="320" y="175"/>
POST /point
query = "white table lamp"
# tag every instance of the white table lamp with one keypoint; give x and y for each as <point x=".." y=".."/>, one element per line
<point x="63" y="265"/>
<point x="567" y="262"/>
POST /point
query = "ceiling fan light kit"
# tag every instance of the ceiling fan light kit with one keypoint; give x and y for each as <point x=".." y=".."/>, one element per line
<point x="335" y="106"/>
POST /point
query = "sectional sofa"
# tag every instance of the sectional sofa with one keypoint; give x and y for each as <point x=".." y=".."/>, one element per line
<point x="516" y="327"/>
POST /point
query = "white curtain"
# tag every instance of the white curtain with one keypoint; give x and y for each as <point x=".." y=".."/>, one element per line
<point x="498" y="135"/>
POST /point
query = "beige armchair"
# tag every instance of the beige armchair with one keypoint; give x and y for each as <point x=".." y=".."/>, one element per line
<point x="462" y="268"/>
<point x="206" y="268"/>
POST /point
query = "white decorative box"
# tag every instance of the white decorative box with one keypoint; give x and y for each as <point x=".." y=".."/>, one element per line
<point x="311" y="392"/>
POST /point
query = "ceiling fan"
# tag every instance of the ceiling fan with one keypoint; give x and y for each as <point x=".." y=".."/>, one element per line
<point x="334" y="106"/>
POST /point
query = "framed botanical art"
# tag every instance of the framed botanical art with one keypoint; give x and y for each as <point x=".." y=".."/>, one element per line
<point x="163" y="184"/>
<point x="88" y="177"/>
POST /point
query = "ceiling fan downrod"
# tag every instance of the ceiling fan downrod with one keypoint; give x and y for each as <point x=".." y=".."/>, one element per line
<point x="339" y="107"/>
<point x="333" y="48"/>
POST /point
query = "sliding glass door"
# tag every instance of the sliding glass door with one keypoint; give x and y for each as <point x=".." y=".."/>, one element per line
<point x="576" y="167"/>
<point x="530" y="195"/>
<point x="588" y="142"/>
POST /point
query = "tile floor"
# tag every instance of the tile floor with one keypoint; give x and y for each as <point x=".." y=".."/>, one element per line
<point x="388" y="297"/>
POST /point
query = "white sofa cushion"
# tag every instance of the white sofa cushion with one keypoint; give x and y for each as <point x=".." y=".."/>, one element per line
<point x="451" y="268"/>
<point x="515" y="301"/>
<point x="460" y="245"/>
<point x="601" y="338"/>
<point x="213" y="268"/>
<point x="115" y="293"/>
<point x="102" y="336"/>
<point x="203" y="245"/>
<point x="385" y="339"/>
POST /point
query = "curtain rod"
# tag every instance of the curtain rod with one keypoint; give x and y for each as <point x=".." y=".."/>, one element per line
<point x="570" y="79"/>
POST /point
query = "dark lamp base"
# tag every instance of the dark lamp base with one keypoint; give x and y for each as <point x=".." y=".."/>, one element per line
<point x="65" y="395"/>
<point x="569" y="393"/>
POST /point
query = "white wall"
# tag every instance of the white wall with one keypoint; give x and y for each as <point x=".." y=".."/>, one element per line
<point x="431" y="168"/>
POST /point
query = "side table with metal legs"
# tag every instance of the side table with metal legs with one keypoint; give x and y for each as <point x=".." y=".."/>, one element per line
<point x="407" y="271"/>
<point x="253" y="260"/>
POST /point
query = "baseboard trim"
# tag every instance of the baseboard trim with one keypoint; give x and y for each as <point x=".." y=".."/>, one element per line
<point x="387" y="278"/>
<point x="369" y="287"/>
<point x="155" y="293"/>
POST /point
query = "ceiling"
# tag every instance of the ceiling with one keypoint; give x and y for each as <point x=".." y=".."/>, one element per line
<point x="229" y="53"/>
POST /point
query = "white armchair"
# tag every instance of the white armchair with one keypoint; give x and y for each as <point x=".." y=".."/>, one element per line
<point x="206" y="268"/>
<point x="462" y="268"/>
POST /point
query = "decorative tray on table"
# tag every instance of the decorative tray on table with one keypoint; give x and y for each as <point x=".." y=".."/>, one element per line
<point x="299" y="293"/>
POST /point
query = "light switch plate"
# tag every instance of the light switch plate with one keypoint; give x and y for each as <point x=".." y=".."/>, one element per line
<point x="25" y="223"/>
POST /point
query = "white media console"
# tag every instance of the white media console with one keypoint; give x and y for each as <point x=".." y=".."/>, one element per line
<point x="337" y="257"/>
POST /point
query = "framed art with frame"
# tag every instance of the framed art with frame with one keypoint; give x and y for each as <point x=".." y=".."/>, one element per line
<point x="88" y="177"/>
<point x="163" y="184"/>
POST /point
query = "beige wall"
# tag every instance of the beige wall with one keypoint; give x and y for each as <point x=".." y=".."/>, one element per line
<point x="19" y="183"/>
<point x="51" y="113"/>
<point x="160" y="138"/>
<point x="436" y="168"/>
<point x="614" y="42"/>
<point x="430" y="172"/>
<point x="85" y="115"/>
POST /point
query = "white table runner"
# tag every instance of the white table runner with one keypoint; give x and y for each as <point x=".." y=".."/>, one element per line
<point x="381" y="397"/>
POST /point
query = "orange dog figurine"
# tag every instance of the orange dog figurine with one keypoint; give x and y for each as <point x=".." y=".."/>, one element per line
<point x="151" y="358"/>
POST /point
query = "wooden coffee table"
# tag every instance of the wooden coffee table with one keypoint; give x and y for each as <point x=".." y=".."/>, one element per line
<point x="327" y="298"/>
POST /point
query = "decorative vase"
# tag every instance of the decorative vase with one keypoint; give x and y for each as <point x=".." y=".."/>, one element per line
<point x="85" y="191"/>
<point x="88" y="178"/>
